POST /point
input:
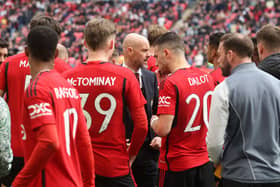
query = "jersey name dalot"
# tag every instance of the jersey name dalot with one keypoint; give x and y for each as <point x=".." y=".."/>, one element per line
<point x="198" y="80"/>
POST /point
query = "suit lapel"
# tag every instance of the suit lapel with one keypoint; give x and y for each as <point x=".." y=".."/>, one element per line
<point x="145" y="81"/>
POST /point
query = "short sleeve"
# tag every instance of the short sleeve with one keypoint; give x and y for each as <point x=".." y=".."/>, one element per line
<point x="167" y="98"/>
<point x="38" y="103"/>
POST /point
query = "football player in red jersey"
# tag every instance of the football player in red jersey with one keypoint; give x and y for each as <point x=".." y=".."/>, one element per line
<point x="106" y="90"/>
<point x="212" y="57"/>
<point x="184" y="100"/>
<point x="57" y="148"/>
<point x="154" y="31"/>
<point x="14" y="79"/>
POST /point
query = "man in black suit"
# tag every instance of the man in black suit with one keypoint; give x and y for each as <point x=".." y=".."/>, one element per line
<point x="136" y="53"/>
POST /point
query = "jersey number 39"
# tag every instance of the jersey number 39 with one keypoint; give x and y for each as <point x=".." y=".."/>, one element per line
<point x="107" y="113"/>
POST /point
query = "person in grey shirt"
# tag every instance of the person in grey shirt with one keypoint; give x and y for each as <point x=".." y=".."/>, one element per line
<point x="245" y="119"/>
<point x="6" y="155"/>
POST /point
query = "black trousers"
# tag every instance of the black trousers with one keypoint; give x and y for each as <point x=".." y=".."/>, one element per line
<point x="145" y="167"/>
<point x="201" y="176"/>
<point x="124" y="181"/>
<point x="17" y="165"/>
<point x="230" y="183"/>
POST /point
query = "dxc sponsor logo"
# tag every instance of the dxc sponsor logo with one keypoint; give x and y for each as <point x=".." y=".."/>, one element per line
<point x="39" y="110"/>
<point x="164" y="100"/>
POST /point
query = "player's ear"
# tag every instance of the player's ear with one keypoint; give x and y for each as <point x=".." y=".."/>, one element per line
<point x="56" y="53"/>
<point x="260" y="49"/>
<point x="26" y="51"/>
<point x="112" y="44"/>
<point x="230" y="54"/>
<point x="130" y="49"/>
<point x="166" y="52"/>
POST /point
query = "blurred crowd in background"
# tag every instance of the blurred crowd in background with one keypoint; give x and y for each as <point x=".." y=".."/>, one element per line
<point x="198" y="20"/>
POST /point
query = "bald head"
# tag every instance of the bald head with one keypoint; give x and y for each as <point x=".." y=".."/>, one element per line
<point x="62" y="52"/>
<point x="134" y="40"/>
<point x="135" y="50"/>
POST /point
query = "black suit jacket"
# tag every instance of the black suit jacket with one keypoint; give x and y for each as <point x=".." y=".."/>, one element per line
<point x="150" y="92"/>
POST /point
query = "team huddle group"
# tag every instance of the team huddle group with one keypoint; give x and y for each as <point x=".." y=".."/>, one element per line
<point x="106" y="125"/>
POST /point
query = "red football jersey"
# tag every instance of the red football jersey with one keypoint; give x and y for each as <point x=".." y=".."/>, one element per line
<point x="50" y="99"/>
<point x="217" y="76"/>
<point x="186" y="94"/>
<point x="105" y="89"/>
<point x="14" y="79"/>
<point x="152" y="64"/>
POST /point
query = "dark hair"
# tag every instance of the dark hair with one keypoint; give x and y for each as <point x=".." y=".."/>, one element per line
<point x="240" y="44"/>
<point x="154" y="32"/>
<point x="4" y="43"/>
<point x="214" y="39"/>
<point x="270" y="36"/>
<point x="97" y="32"/>
<point x="254" y="39"/>
<point x="170" y="40"/>
<point x="42" y="42"/>
<point x="42" y="20"/>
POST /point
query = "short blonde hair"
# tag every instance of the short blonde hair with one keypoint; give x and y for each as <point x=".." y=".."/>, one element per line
<point x="97" y="32"/>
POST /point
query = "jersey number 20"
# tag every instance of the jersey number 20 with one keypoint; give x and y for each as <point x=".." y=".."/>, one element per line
<point x="189" y="127"/>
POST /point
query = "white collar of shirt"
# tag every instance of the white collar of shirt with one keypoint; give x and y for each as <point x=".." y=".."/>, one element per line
<point x="139" y="71"/>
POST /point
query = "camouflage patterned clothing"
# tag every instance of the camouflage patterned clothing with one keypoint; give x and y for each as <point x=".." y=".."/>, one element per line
<point x="6" y="155"/>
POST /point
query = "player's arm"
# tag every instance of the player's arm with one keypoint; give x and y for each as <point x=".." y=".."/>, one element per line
<point x="85" y="152"/>
<point x="140" y="130"/>
<point x="156" y="141"/>
<point x="47" y="145"/>
<point x="219" y="113"/>
<point x="162" y="125"/>
<point x="6" y="155"/>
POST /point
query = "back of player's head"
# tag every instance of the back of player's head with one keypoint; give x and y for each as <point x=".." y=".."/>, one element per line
<point x="214" y="39"/>
<point x="3" y="43"/>
<point x="170" y="40"/>
<point x="269" y="35"/>
<point x="98" y="31"/>
<point x="41" y="43"/>
<point x="42" y="20"/>
<point x="242" y="45"/>
<point x="154" y="32"/>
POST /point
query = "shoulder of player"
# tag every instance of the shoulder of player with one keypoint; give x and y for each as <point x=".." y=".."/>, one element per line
<point x="16" y="58"/>
<point x="61" y="65"/>
<point x="41" y="83"/>
<point x="121" y="71"/>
